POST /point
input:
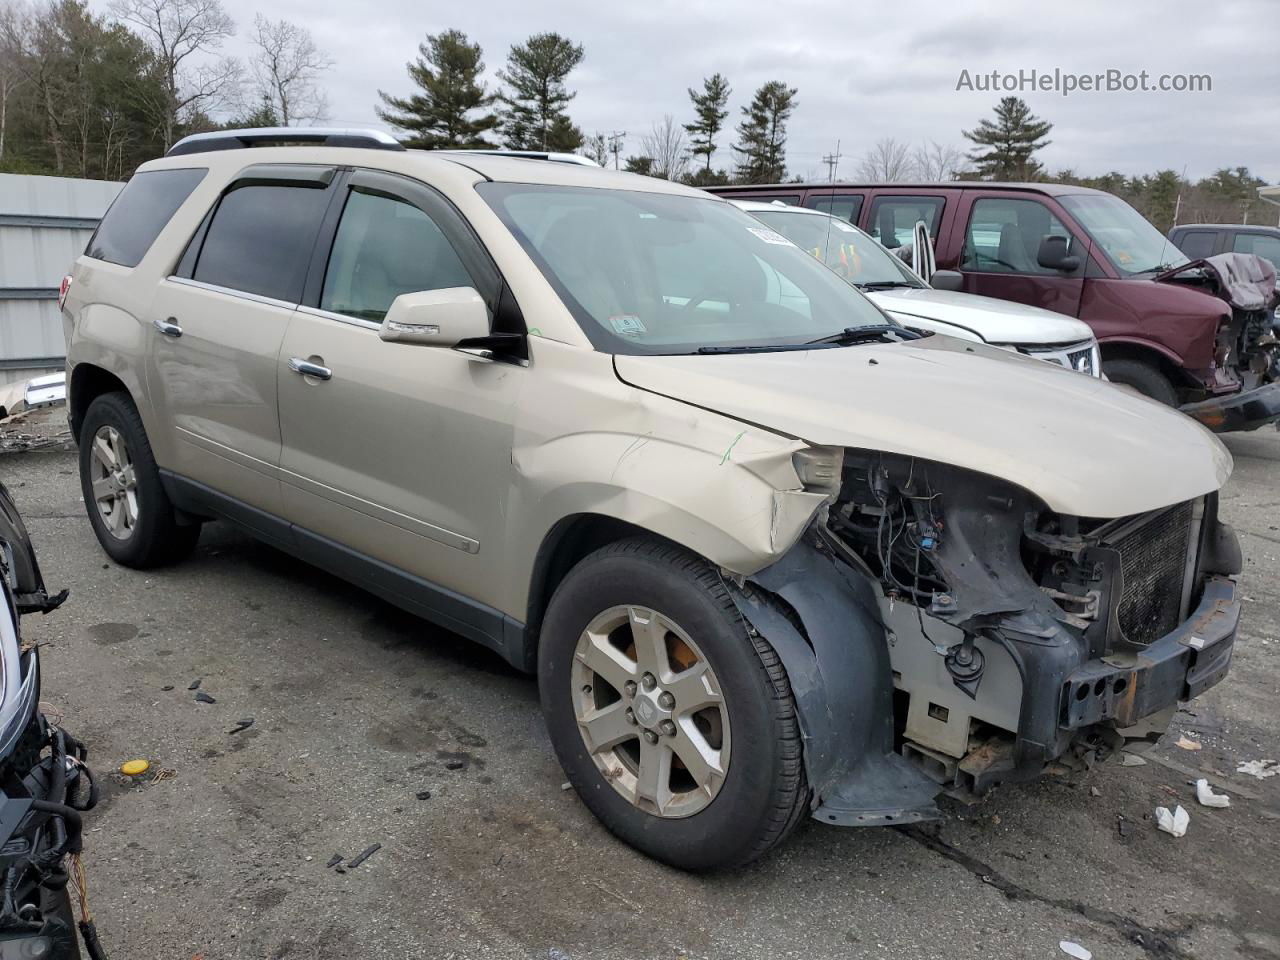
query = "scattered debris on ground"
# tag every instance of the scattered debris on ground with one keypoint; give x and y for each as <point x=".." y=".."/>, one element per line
<point x="424" y="794"/>
<point x="241" y="725"/>
<point x="334" y="860"/>
<point x="195" y="684"/>
<point x="1186" y="743"/>
<point x="1072" y="949"/>
<point x="1174" y="823"/>
<point x="364" y="855"/>
<point x="1131" y="760"/>
<point x="1259" y="768"/>
<point x="37" y="429"/>
<point x="202" y="697"/>
<point x="1207" y="797"/>
<point x="134" y="768"/>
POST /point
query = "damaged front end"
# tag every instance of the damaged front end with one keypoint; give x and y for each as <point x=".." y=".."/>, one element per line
<point x="960" y="634"/>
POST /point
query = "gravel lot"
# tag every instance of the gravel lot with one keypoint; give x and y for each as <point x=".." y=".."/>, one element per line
<point x="359" y="709"/>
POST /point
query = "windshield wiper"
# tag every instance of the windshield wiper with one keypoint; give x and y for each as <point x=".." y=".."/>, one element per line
<point x="759" y="347"/>
<point x="873" y="331"/>
<point x="884" y="284"/>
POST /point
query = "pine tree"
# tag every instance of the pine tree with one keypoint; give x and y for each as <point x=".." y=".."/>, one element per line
<point x="711" y="108"/>
<point x="534" y="117"/>
<point x="1009" y="142"/>
<point x="444" y="112"/>
<point x="762" y="134"/>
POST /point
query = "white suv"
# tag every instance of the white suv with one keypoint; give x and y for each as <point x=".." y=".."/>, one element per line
<point x="771" y="554"/>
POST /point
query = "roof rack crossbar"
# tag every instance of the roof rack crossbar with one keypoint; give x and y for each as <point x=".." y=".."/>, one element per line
<point x="550" y="156"/>
<point x="270" y="136"/>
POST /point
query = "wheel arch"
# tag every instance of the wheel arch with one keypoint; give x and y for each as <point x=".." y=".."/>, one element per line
<point x="88" y="382"/>
<point x="1162" y="359"/>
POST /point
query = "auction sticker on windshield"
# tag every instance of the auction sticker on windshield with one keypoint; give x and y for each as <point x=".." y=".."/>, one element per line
<point x="770" y="236"/>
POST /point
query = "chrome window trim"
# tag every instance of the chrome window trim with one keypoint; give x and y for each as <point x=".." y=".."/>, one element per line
<point x="231" y="292"/>
<point x="340" y="318"/>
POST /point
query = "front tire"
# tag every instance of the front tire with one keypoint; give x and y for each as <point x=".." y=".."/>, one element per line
<point x="128" y="508"/>
<point x="674" y="723"/>
<point x="1144" y="378"/>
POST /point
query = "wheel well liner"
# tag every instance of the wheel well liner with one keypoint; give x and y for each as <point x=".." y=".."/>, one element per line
<point x="89" y="382"/>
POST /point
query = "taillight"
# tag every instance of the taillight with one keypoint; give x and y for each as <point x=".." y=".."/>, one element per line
<point x="62" y="290"/>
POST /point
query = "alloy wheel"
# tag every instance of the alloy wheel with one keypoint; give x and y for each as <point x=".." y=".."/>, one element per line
<point x="114" y="482"/>
<point x="650" y="711"/>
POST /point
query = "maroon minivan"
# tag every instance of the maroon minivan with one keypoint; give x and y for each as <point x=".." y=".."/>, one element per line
<point x="1165" y="324"/>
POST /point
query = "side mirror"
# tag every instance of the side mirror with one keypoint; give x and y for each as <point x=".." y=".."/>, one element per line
<point x="1053" y="254"/>
<point x="947" y="280"/>
<point x="922" y="258"/>
<point x="436" y="318"/>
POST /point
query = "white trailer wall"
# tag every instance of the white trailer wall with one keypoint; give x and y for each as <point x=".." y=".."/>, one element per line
<point x="45" y="223"/>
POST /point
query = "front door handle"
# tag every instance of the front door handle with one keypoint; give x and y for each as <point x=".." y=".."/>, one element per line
<point x="168" y="327"/>
<point x="309" y="369"/>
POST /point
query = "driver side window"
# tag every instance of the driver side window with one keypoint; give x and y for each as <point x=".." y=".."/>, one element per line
<point x="1004" y="236"/>
<point x="383" y="248"/>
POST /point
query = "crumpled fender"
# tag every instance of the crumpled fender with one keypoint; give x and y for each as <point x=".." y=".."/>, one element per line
<point x="823" y="621"/>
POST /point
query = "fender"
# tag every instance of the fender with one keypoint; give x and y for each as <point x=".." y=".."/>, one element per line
<point x="823" y="621"/>
<point x="1177" y="361"/>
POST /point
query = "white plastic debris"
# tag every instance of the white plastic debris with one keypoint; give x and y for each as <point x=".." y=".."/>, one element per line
<point x="1131" y="760"/>
<point x="1186" y="743"/>
<point x="1207" y="798"/>
<point x="1072" y="949"/>
<point x="1259" y="768"/>
<point x="1175" y="823"/>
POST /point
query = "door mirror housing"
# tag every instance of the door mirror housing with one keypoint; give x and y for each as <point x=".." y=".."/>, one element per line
<point x="947" y="280"/>
<point x="922" y="259"/>
<point x="436" y="318"/>
<point x="1053" y="254"/>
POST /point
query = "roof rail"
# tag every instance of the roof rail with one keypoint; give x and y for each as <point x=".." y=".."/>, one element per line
<point x="547" y="155"/>
<point x="272" y="136"/>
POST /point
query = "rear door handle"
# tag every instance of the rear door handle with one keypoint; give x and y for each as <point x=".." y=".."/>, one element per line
<point x="168" y="327"/>
<point x="309" y="369"/>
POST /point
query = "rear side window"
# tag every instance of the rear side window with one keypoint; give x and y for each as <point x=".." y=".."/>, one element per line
<point x="846" y="206"/>
<point x="1263" y="245"/>
<point x="894" y="218"/>
<point x="147" y="202"/>
<point x="260" y="239"/>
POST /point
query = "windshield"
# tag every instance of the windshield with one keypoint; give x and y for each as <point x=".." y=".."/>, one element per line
<point x="658" y="273"/>
<point x="843" y="247"/>
<point x="1129" y="241"/>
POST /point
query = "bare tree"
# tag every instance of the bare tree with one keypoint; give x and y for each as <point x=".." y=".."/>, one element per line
<point x="176" y="31"/>
<point x="286" y="66"/>
<point x="11" y="74"/>
<point x="935" y="162"/>
<point x="665" y="145"/>
<point x="887" y="161"/>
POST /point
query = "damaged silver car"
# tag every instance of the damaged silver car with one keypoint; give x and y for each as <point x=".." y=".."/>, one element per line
<point x="771" y="554"/>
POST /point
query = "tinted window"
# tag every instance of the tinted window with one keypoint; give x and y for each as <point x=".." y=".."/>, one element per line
<point x="147" y="202"/>
<point x="1265" y="246"/>
<point x="844" y="206"/>
<point x="1197" y="243"/>
<point x="1004" y="236"/>
<point x="384" y="248"/>
<point x="260" y="239"/>
<point x="894" y="218"/>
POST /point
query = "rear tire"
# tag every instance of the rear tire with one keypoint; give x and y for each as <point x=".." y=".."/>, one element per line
<point x="759" y="793"/>
<point x="128" y="508"/>
<point x="1144" y="378"/>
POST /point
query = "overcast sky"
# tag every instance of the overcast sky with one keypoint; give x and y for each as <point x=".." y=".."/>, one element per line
<point x="864" y="70"/>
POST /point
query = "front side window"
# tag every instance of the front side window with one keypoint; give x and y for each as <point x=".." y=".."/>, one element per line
<point x="843" y="248"/>
<point x="1129" y="241"/>
<point x="657" y="273"/>
<point x="1198" y="243"/>
<point x="144" y="207"/>
<point x="1004" y="236"/>
<point x="1263" y="245"/>
<point x="893" y="219"/>
<point x="260" y="239"/>
<point x="385" y="247"/>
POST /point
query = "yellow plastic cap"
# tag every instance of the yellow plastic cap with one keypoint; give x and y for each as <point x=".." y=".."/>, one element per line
<point x="135" y="767"/>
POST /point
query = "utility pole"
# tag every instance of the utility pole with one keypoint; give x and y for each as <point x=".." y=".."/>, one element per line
<point x="832" y="160"/>
<point x="615" y="145"/>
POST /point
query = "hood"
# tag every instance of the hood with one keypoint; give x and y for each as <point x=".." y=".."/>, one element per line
<point x="994" y="321"/>
<point x="1084" y="446"/>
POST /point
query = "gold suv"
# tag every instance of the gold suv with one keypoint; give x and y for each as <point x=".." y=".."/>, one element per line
<point x="770" y="553"/>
